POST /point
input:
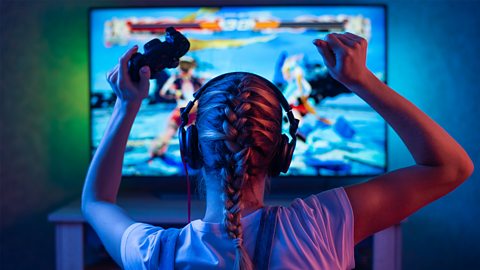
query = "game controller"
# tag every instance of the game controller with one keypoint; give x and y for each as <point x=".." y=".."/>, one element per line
<point x="159" y="55"/>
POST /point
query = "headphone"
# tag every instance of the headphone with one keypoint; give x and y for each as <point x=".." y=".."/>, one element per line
<point x="188" y="139"/>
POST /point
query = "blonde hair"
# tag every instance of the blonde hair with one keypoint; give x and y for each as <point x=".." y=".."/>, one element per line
<point x="239" y="128"/>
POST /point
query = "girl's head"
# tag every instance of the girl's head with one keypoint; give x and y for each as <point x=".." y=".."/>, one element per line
<point x="239" y="123"/>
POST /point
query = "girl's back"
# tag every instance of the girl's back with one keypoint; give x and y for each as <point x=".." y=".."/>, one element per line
<point x="313" y="233"/>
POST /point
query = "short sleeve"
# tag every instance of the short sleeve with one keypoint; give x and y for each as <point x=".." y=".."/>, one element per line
<point x="331" y="216"/>
<point x="141" y="246"/>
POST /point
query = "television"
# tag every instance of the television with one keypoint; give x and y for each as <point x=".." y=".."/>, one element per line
<point x="339" y="134"/>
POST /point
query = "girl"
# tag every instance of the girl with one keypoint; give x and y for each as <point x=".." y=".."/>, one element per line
<point x="239" y="130"/>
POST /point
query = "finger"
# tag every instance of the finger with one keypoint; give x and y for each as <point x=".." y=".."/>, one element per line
<point x="124" y="61"/>
<point x="113" y="83"/>
<point x="112" y="76"/>
<point x="144" y="82"/>
<point x="335" y="43"/>
<point x="358" y="39"/>
<point x="347" y="41"/>
<point x="352" y="36"/>
<point x="112" y="71"/>
<point x="325" y="52"/>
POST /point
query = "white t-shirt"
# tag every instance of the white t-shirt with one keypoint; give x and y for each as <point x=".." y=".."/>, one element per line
<point x="312" y="233"/>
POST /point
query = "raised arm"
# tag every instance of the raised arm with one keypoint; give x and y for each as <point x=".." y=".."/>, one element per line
<point x="104" y="174"/>
<point x="441" y="163"/>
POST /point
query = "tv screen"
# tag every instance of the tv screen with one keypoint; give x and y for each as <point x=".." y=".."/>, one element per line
<point x="339" y="134"/>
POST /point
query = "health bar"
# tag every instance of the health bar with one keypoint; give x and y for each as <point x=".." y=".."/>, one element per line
<point x="218" y="26"/>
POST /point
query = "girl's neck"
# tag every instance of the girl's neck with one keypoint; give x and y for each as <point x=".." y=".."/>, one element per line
<point x="252" y="201"/>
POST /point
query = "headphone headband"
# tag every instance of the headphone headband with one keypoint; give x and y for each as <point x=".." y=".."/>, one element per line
<point x="283" y="102"/>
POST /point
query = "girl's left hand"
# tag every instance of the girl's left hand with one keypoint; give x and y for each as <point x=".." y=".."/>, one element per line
<point x="127" y="91"/>
<point x="345" y="56"/>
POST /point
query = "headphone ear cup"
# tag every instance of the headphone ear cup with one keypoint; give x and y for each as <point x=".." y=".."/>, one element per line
<point x="192" y="151"/>
<point x="278" y="160"/>
<point x="283" y="158"/>
<point x="288" y="154"/>
<point x="181" y="141"/>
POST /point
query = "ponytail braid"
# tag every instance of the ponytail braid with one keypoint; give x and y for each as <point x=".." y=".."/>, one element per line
<point x="239" y="123"/>
<point x="235" y="172"/>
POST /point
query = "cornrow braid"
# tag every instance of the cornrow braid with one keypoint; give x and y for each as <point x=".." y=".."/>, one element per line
<point x="239" y="123"/>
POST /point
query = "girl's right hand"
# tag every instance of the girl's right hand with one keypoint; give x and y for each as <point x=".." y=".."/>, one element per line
<point x="129" y="92"/>
<point x="345" y="57"/>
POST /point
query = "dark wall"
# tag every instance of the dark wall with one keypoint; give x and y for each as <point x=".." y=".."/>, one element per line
<point x="433" y="61"/>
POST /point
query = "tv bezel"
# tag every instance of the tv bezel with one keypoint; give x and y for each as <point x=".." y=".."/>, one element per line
<point x="283" y="184"/>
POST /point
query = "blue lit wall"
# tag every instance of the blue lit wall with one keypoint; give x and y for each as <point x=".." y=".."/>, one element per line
<point x="433" y="60"/>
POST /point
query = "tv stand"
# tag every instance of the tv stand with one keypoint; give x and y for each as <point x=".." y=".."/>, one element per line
<point x="171" y="211"/>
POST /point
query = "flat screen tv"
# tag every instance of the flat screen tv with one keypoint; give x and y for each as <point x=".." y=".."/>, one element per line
<point x="339" y="134"/>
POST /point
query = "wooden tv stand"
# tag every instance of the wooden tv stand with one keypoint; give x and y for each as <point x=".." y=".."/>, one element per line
<point x="171" y="211"/>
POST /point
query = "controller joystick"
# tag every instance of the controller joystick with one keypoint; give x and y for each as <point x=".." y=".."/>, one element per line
<point x="159" y="55"/>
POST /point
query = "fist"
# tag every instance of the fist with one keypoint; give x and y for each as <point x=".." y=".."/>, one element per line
<point x="345" y="57"/>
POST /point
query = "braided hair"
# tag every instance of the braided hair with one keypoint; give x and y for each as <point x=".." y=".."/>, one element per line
<point x="239" y="125"/>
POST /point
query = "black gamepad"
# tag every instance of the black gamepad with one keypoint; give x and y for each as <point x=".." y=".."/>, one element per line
<point x="159" y="55"/>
